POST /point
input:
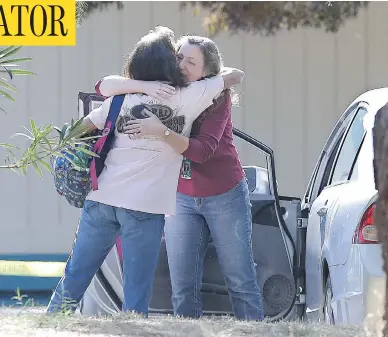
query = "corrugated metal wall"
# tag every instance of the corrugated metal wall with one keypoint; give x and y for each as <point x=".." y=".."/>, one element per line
<point x="296" y="86"/>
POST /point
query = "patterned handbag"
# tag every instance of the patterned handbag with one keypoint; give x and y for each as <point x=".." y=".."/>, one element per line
<point x="75" y="182"/>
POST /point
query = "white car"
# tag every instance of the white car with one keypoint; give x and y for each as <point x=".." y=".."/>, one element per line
<point x="316" y="258"/>
<point x="344" y="276"/>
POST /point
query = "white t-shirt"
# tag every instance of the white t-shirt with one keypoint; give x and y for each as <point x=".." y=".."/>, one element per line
<point x="142" y="174"/>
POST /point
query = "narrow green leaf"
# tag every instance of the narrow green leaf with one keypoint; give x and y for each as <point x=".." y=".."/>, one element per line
<point x="48" y="127"/>
<point x="9" y="65"/>
<point x="63" y="132"/>
<point x="22" y="59"/>
<point x="23" y="135"/>
<point x="11" y="154"/>
<point x="18" y="72"/>
<point x="8" y="85"/>
<point x="27" y="130"/>
<point x="46" y="141"/>
<point x="77" y="132"/>
<point x="8" y="71"/>
<point x="22" y="72"/>
<point x="7" y="95"/>
<point x="33" y="127"/>
<point x="23" y="169"/>
<point x="37" y="169"/>
<point x="11" y="51"/>
<point x="45" y="165"/>
<point x="78" y="122"/>
<point x="9" y="146"/>
<point x="88" y="152"/>
<point x="3" y="52"/>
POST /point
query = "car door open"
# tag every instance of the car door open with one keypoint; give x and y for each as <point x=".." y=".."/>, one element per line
<point x="274" y="236"/>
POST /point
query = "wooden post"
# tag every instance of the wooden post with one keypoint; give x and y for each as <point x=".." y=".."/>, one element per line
<point x="380" y="164"/>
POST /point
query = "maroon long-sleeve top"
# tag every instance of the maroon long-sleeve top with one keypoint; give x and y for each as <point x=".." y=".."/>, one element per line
<point x="214" y="162"/>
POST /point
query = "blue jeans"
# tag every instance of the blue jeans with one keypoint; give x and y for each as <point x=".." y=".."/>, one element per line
<point x="97" y="233"/>
<point x="227" y="218"/>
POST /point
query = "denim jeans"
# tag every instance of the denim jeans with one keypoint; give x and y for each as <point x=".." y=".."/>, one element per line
<point x="227" y="218"/>
<point x="97" y="232"/>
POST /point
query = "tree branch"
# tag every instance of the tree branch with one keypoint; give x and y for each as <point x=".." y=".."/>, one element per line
<point x="269" y="17"/>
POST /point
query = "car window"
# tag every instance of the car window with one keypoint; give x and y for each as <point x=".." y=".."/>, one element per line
<point x="349" y="149"/>
<point x="354" y="174"/>
<point x="330" y="162"/>
<point x="321" y="175"/>
<point x="309" y="190"/>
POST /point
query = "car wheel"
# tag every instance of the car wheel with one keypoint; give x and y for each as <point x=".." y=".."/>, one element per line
<point x="327" y="309"/>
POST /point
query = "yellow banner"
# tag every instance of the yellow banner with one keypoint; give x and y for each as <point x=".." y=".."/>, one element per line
<point x="32" y="268"/>
<point x="37" y="23"/>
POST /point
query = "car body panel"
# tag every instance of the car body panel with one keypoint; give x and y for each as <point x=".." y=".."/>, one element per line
<point x="359" y="286"/>
<point x="354" y="268"/>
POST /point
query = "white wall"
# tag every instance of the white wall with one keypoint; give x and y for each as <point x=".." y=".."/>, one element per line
<point x="297" y="84"/>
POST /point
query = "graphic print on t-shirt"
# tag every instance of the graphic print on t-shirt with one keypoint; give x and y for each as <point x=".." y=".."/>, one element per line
<point x="166" y="115"/>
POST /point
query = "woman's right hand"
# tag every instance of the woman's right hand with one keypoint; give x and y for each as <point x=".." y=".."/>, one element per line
<point x="158" y="90"/>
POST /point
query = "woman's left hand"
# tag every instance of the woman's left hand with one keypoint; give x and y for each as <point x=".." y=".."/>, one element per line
<point x="139" y="128"/>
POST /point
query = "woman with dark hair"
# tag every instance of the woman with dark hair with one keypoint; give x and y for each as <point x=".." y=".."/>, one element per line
<point x="138" y="184"/>
<point x="213" y="196"/>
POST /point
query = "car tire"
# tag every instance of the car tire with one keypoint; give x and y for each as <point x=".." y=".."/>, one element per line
<point x="328" y="314"/>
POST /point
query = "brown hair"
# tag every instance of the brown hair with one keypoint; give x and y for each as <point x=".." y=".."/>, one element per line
<point x="154" y="59"/>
